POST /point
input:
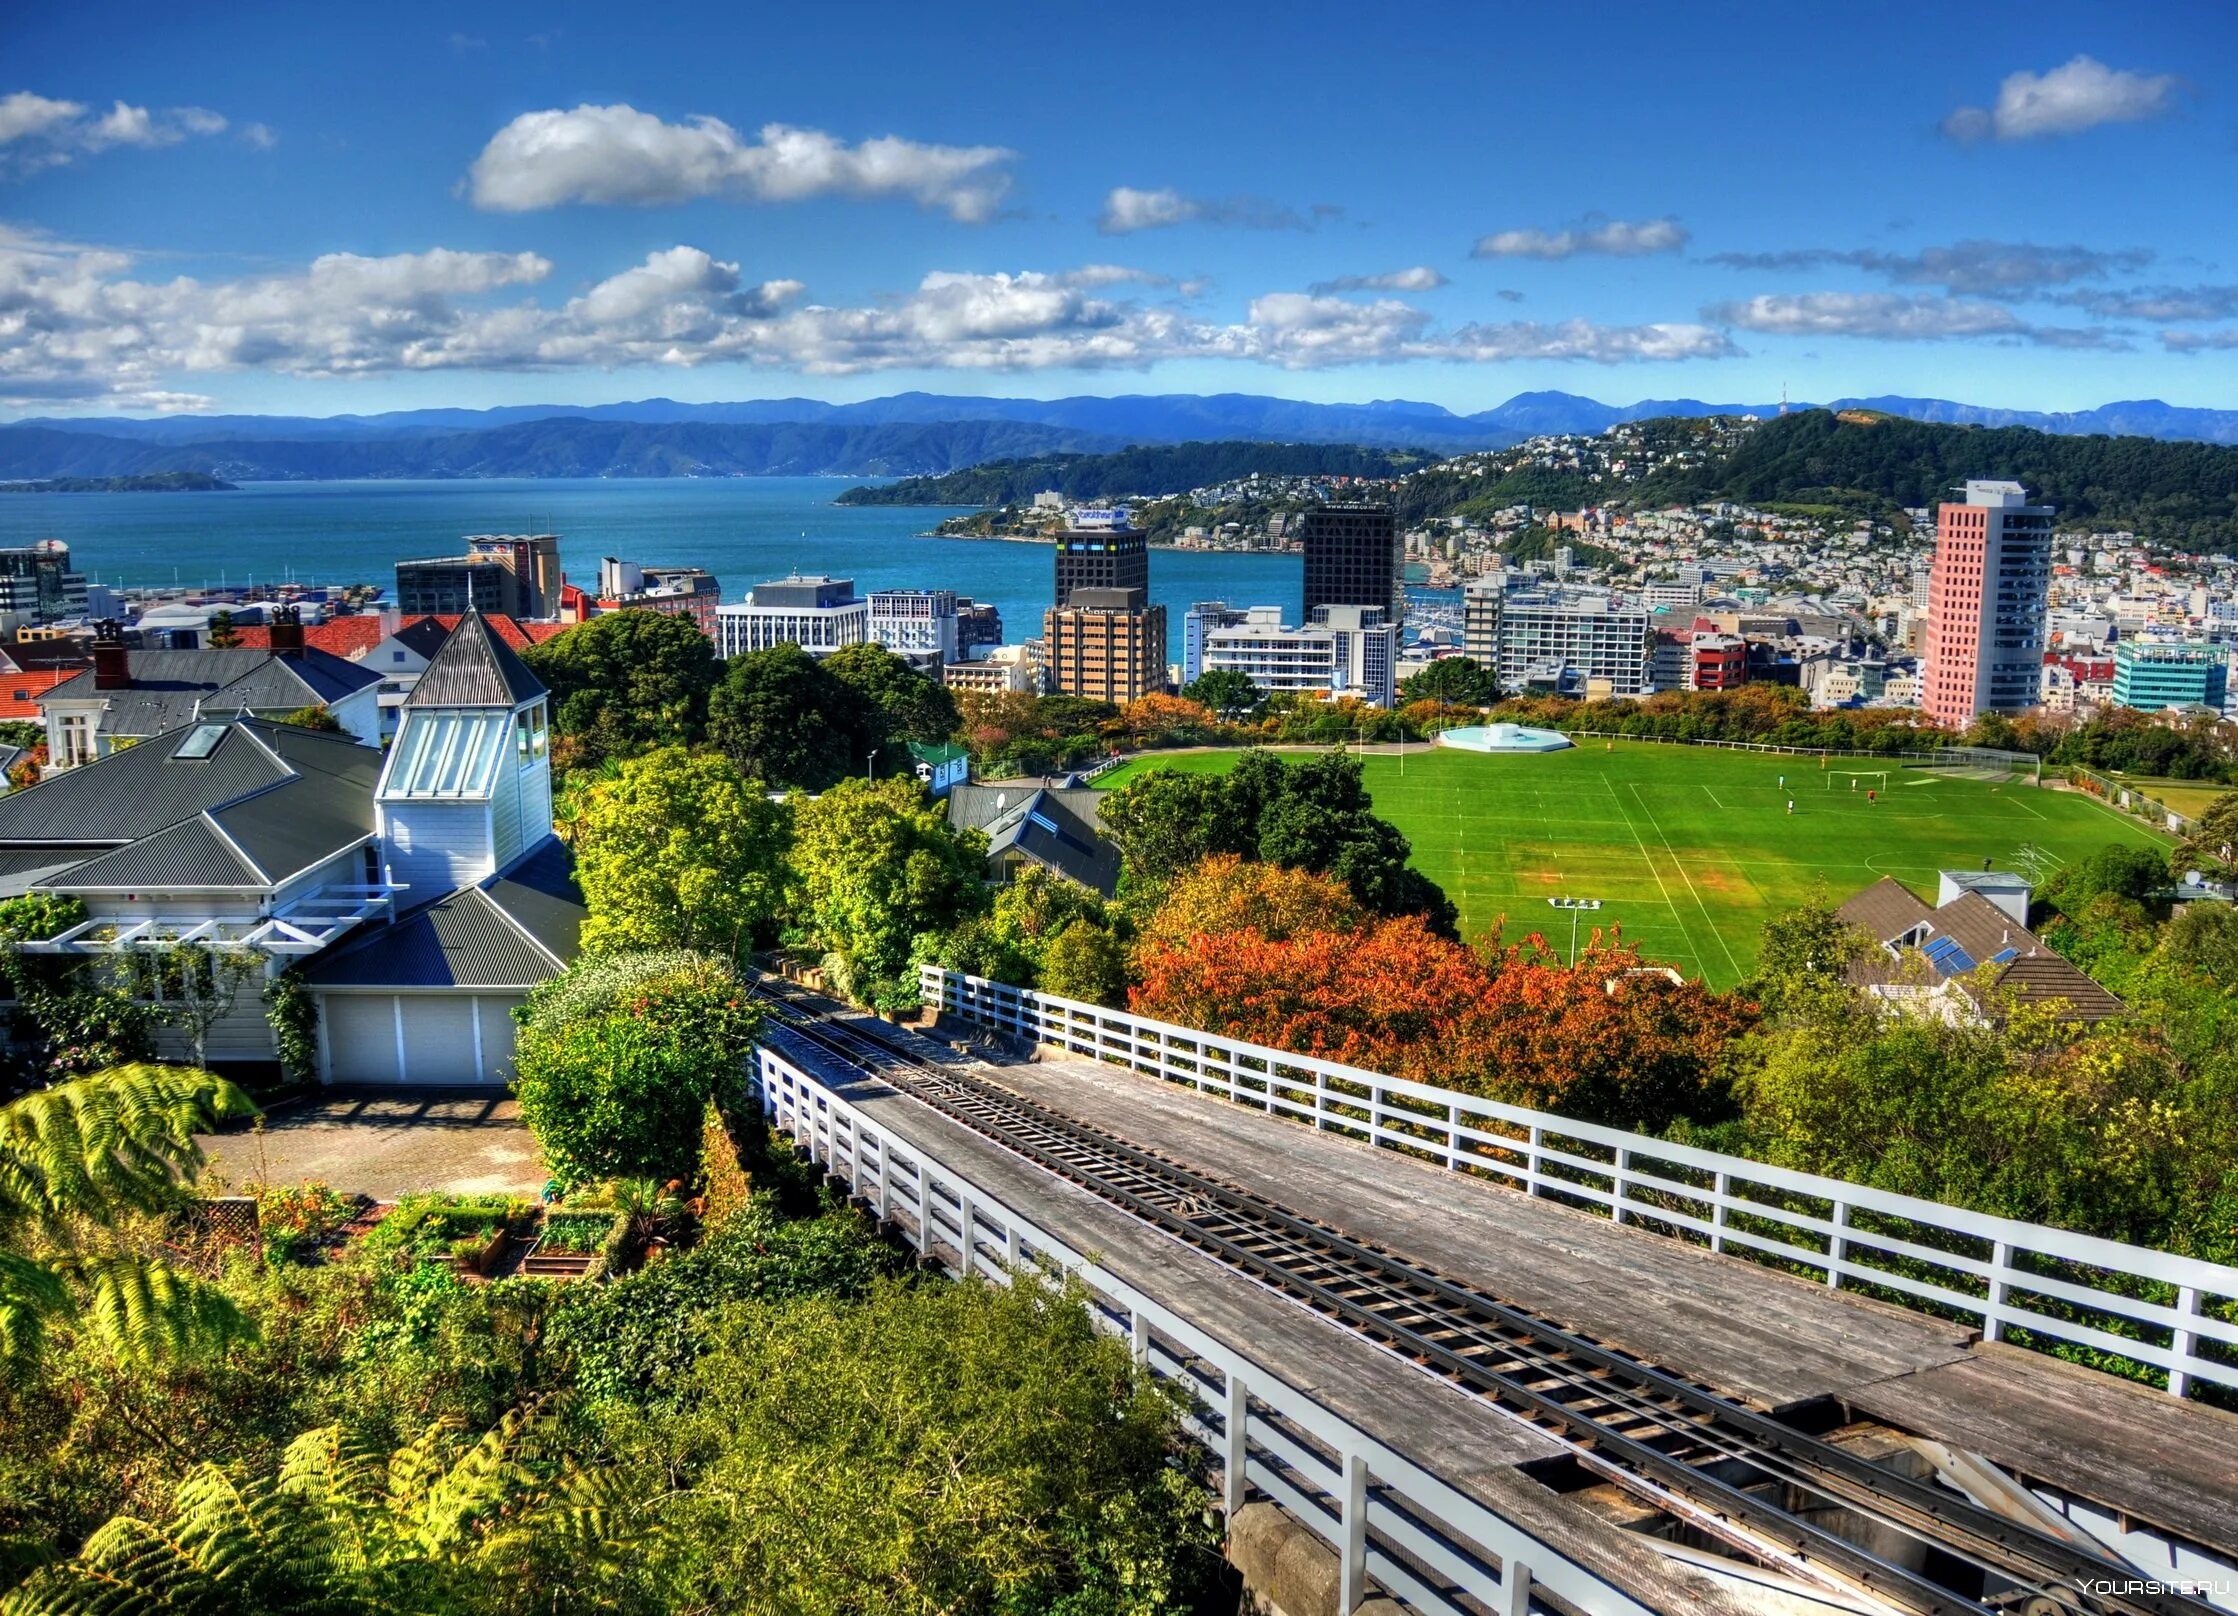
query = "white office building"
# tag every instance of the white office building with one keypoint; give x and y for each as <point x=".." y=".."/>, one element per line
<point x="916" y="623"/>
<point x="1546" y="643"/>
<point x="1343" y="651"/>
<point x="817" y="614"/>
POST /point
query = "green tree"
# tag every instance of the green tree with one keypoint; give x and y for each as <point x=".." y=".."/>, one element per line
<point x="625" y="682"/>
<point x="927" y="1450"/>
<point x="619" y="1055"/>
<point x="1168" y="821"/>
<point x="1011" y="941"/>
<point x="314" y="717"/>
<point x="1227" y="691"/>
<point x="75" y="1160"/>
<point x="781" y="717"/>
<point x="2210" y="846"/>
<point x="1087" y="962"/>
<point x="1806" y="952"/>
<point x="505" y="1522"/>
<point x="2134" y="873"/>
<point x="1460" y="681"/>
<point x="896" y="703"/>
<point x="881" y="878"/>
<point x="223" y="635"/>
<point x="675" y="849"/>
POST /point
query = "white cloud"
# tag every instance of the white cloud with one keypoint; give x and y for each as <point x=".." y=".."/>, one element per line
<point x="2083" y="94"/>
<point x="1126" y="210"/>
<point x="260" y="135"/>
<point x="2189" y="342"/>
<point x="1615" y="237"/>
<point x="2217" y="302"/>
<point x="1420" y="278"/>
<point x="617" y="154"/>
<point x="77" y="326"/>
<point x="37" y="132"/>
<point x="1895" y="317"/>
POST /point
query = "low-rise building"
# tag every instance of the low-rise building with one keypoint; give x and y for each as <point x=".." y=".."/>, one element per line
<point x="1968" y="956"/>
<point x="1006" y="670"/>
<point x="2153" y="674"/>
<point x="1343" y="651"/>
<point x="941" y="765"/>
<point x="691" y="592"/>
<point x="818" y="614"/>
<point x="920" y="624"/>
<point x="1559" y="644"/>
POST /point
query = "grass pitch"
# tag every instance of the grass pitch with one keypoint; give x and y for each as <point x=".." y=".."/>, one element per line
<point x="1692" y="849"/>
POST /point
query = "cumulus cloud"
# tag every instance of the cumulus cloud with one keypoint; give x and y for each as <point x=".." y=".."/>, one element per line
<point x="84" y="329"/>
<point x="39" y="132"/>
<point x="618" y="154"/>
<point x="1894" y="317"/>
<point x="1421" y="278"/>
<point x="2083" y="94"/>
<point x="1616" y="237"/>
<point x="1991" y="268"/>
<point x="260" y="135"/>
<point x="1127" y="209"/>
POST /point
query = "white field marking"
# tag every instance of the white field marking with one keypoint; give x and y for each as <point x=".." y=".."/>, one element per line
<point x="1649" y="859"/>
<point x="1685" y="876"/>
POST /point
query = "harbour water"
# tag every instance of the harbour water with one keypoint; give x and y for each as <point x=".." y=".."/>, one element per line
<point x="745" y="530"/>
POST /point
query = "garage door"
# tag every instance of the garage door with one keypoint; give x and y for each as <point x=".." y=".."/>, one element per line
<point x="498" y="1028"/>
<point x="360" y="1031"/>
<point x="439" y="1039"/>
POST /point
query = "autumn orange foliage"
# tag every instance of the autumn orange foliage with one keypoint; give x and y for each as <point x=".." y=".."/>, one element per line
<point x="1228" y="894"/>
<point x="1608" y="1040"/>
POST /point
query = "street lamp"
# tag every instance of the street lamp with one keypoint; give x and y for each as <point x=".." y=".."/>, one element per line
<point x="1576" y="907"/>
<point x="870" y="769"/>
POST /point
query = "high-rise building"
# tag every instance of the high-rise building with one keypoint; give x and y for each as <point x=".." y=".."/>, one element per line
<point x="1102" y="549"/>
<point x="37" y="585"/>
<point x="817" y="614"/>
<point x="1986" y="601"/>
<point x="1353" y="557"/>
<point x="501" y="575"/>
<point x="1480" y="620"/>
<point x="2155" y="674"/>
<point x="1546" y="643"/>
<point x="1106" y="645"/>
<point x="920" y="624"/>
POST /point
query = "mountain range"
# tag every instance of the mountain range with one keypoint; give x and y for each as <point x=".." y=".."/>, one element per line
<point x="903" y="435"/>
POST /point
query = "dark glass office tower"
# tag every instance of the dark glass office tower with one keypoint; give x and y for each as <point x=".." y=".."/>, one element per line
<point x="1100" y="550"/>
<point x="1353" y="557"/>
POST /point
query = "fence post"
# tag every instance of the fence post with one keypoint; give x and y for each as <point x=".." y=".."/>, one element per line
<point x="966" y="1237"/>
<point x="1236" y="1442"/>
<point x="1139" y="1337"/>
<point x="2000" y="1262"/>
<point x="2186" y="1342"/>
<point x="1837" y="1248"/>
<point x="1515" y="1588"/>
<point x="1620" y="1181"/>
<point x="1353" y="1576"/>
<point x="1717" y="1211"/>
<point x="885" y="1184"/>
<point x="1320" y="1100"/>
<point x="1453" y="1137"/>
<point x="1532" y="1163"/>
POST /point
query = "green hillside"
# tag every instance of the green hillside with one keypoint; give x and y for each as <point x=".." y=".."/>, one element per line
<point x="1145" y="469"/>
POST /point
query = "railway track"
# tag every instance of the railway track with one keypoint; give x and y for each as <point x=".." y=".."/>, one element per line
<point x="1760" y="1488"/>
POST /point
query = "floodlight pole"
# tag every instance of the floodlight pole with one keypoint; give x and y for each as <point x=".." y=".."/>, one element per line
<point x="1576" y="907"/>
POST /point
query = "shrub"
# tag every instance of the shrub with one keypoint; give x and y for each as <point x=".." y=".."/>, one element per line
<point x="618" y="1058"/>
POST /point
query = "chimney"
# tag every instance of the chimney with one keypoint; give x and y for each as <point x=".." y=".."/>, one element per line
<point x="287" y="631"/>
<point x="112" y="665"/>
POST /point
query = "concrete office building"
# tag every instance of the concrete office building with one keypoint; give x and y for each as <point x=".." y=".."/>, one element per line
<point x="1354" y="556"/>
<point x="1343" y="651"/>
<point x="1551" y="644"/>
<point x="501" y="574"/>
<point x="691" y="592"/>
<point x="1106" y="645"/>
<point x="1986" y="600"/>
<point x="818" y="614"/>
<point x="1480" y="621"/>
<point x="1102" y="549"/>
<point x="2151" y="675"/>
<point x="919" y="624"/>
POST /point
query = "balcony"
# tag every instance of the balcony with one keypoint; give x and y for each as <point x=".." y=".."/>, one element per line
<point x="303" y="927"/>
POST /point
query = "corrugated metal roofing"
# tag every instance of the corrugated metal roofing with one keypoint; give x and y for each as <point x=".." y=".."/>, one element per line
<point x="505" y="933"/>
<point x="188" y="855"/>
<point x="474" y="668"/>
<point x="170" y="688"/>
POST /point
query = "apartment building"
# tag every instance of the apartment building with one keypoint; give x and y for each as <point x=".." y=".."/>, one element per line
<point x="1342" y="651"/>
<point x="1106" y="645"/>
<point x="1551" y="644"/>
<point x="920" y="624"/>
<point x="1986" y="604"/>
<point x="817" y="613"/>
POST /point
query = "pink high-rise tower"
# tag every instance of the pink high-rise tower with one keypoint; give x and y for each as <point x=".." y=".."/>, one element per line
<point x="1986" y="605"/>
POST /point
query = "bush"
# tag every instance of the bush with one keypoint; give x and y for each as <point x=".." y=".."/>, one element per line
<point x="618" y="1058"/>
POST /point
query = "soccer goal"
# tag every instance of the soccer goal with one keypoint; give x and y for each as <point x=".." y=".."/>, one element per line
<point x="1857" y="780"/>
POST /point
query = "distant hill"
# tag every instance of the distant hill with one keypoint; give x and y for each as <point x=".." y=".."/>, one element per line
<point x="1151" y="470"/>
<point x="166" y="482"/>
<point x="906" y="434"/>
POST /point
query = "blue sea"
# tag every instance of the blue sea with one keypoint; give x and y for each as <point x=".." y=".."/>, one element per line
<point x="745" y="530"/>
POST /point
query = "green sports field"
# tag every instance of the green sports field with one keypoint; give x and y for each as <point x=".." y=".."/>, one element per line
<point x="1691" y="849"/>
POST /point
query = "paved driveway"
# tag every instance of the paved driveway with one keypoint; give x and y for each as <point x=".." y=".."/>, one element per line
<point x="385" y="1144"/>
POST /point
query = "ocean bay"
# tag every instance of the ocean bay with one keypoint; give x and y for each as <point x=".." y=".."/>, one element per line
<point x="743" y="529"/>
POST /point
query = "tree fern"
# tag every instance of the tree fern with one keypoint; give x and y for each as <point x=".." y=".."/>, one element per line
<point x="344" y="1528"/>
<point x="79" y="1156"/>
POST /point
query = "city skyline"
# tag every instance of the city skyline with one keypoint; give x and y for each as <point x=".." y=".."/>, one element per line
<point x="268" y="213"/>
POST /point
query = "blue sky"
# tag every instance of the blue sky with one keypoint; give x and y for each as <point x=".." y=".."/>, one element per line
<point x="325" y="209"/>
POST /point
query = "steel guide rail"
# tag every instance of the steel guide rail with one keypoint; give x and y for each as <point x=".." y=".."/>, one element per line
<point x="1624" y="1420"/>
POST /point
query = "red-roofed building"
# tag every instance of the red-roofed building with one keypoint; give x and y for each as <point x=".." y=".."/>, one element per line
<point x="20" y="691"/>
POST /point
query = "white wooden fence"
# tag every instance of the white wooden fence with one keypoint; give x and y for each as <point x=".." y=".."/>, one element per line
<point x="2022" y="1282"/>
<point x="1386" y="1518"/>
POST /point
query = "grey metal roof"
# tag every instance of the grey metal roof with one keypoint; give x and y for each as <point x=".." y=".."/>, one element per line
<point x="170" y="688"/>
<point x="475" y="668"/>
<point x="1054" y="828"/>
<point x="284" y="798"/>
<point x="476" y="937"/>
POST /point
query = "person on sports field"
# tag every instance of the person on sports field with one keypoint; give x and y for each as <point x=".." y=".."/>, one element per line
<point x="1791" y="805"/>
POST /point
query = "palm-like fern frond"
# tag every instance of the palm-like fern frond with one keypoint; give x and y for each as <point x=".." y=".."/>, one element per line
<point x="87" y="1152"/>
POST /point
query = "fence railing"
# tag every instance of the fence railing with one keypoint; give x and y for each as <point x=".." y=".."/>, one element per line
<point x="2120" y="794"/>
<point x="1430" y="1545"/>
<point x="2019" y="1282"/>
<point x="1950" y="756"/>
